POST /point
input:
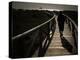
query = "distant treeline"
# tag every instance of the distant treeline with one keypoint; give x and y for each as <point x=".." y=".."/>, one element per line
<point x="24" y="20"/>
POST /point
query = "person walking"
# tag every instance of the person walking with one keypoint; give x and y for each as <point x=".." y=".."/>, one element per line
<point x="61" y="19"/>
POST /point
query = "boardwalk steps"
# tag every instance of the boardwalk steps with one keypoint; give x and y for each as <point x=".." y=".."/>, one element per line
<point x="56" y="48"/>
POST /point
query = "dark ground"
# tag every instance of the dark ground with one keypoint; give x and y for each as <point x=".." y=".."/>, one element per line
<point x="24" y="20"/>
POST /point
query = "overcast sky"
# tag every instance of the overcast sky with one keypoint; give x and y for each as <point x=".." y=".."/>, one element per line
<point x="27" y="5"/>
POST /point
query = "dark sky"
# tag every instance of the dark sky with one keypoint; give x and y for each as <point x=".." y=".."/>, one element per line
<point x="27" y="5"/>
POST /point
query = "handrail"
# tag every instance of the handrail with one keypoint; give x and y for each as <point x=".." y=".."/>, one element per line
<point x="26" y="32"/>
<point x="72" y="22"/>
<point x="74" y="34"/>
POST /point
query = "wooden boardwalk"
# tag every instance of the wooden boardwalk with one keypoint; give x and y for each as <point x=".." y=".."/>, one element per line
<point x="56" y="47"/>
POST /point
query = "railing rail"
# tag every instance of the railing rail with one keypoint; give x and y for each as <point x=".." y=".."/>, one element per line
<point x="72" y="22"/>
<point x="74" y="30"/>
<point x="26" y="32"/>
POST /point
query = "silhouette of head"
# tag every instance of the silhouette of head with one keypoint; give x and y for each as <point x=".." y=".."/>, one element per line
<point x="60" y="13"/>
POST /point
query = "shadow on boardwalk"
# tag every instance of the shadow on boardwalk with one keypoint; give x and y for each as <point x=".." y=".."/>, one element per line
<point x="66" y="44"/>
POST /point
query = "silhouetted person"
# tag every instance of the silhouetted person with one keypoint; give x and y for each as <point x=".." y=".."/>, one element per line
<point x="61" y="20"/>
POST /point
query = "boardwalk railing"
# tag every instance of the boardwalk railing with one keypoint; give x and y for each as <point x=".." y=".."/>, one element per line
<point x="37" y="38"/>
<point x="26" y="32"/>
<point x="74" y="29"/>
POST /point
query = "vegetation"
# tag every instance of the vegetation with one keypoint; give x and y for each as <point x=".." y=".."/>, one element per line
<point x="24" y="20"/>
